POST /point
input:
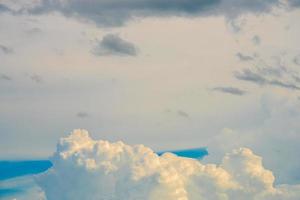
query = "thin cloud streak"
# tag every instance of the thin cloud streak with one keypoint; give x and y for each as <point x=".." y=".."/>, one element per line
<point x="82" y="114"/>
<point x="230" y="90"/>
<point x="5" y="77"/>
<point x="182" y="113"/>
<point x="6" y="50"/>
<point x="257" y="78"/>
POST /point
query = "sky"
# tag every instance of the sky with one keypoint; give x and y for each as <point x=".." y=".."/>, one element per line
<point x="220" y="74"/>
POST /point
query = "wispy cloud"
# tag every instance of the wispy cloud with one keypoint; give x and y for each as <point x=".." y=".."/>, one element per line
<point x="297" y="60"/>
<point x="230" y="90"/>
<point x="6" y="50"/>
<point x="36" y="78"/>
<point x="284" y="85"/>
<point x="182" y="113"/>
<point x="34" y="31"/>
<point x="82" y="114"/>
<point x="256" y="40"/>
<point x="261" y="78"/>
<point x="243" y="57"/>
<point x="248" y="75"/>
<point x="113" y="44"/>
<point x="5" y="77"/>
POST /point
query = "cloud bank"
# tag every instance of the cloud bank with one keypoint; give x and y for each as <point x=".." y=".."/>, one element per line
<point x="84" y="168"/>
<point x="116" y="13"/>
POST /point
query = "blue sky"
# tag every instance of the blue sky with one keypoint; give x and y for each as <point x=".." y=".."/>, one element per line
<point x="218" y="74"/>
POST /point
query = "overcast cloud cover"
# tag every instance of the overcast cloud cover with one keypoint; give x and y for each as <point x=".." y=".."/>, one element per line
<point x="221" y="74"/>
<point x="114" y="13"/>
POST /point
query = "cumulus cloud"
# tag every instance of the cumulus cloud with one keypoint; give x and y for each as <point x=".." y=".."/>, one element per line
<point x="112" y="44"/>
<point x="273" y="135"/>
<point x="230" y="90"/>
<point x="84" y="168"/>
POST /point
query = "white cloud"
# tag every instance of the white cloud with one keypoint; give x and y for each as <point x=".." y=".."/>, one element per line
<point x="88" y="169"/>
<point x="274" y="136"/>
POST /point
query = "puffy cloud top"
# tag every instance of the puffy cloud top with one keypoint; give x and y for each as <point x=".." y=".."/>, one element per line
<point x="87" y="169"/>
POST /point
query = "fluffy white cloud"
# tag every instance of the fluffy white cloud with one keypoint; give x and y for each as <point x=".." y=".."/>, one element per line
<point x="84" y="168"/>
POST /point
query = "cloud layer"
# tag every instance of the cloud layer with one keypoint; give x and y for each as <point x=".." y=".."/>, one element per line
<point x="115" y="13"/>
<point x="88" y="169"/>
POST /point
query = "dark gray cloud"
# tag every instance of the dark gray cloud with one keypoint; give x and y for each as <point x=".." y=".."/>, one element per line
<point x="5" y="77"/>
<point x="4" y="8"/>
<point x="243" y="57"/>
<point x="36" y="78"/>
<point x="182" y="113"/>
<point x="82" y="115"/>
<point x="248" y="75"/>
<point x="283" y="84"/>
<point x="256" y="40"/>
<point x="294" y="3"/>
<point x="273" y="71"/>
<point x="116" y="13"/>
<point x="6" y="50"/>
<point x="230" y="90"/>
<point x="261" y="78"/>
<point x="112" y="44"/>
